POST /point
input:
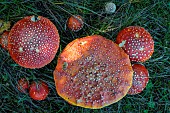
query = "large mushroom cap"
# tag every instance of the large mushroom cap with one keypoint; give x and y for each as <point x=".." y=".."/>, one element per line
<point x="93" y="72"/>
<point x="137" y="43"/>
<point x="140" y="79"/>
<point x="33" y="42"/>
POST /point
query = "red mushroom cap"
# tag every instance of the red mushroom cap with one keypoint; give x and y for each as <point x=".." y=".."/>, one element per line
<point x="75" y="23"/>
<point x="137" y="43"/>
<point x="23" y="84"/>
<point x="38" y="90"/>
<point x="93" y="72"/>
<point x="140" y="79"/>
<point x="4" y="40"/>
<point x="33" y="42"/>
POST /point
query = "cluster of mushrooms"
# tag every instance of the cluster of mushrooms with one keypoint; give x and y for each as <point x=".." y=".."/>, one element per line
<point x="91" y="72"/>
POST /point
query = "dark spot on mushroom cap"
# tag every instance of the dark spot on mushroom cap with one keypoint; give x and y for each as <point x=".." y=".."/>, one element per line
<point x="140" y="79"/>
<point x="33" y="44"/>
<point x="98" y="72"/>
<point x="137" y="43"/>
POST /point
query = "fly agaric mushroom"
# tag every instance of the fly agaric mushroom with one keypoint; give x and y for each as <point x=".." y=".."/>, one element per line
<point x="93" y="72"/>
<point x="33" y="42"/>
<point x="38" y="90"/>
<point x="23" y="85"/>
<point x="137" y="43"/>
<point x="75" y="23"/>
<point x="4" y="40"/>
<point x="140" y="79"/>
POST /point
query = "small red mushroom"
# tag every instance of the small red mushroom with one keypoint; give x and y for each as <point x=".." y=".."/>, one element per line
<point x="93" y="72"/>
<point x="137" y="43"/>
<point x="75" y="23"/>
<point x="23" y="85"/>
<point x="4" y="40"/>
<point x="38" y="90"/>
<point x="33" y="42"/>
<point x="140" y="79"/>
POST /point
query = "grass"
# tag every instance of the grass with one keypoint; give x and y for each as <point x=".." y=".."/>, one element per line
<point x="153" y="15"/>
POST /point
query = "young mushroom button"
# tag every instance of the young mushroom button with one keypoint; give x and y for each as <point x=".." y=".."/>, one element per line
<point x="33" y="42"/>
<point x="137" y="43"/>
<point x="4" y="40"/>
<point x="75" y="23"/>
<point x="93" y="72"/>
<point x="23" y="85"/>
<point x="38" y="90"/>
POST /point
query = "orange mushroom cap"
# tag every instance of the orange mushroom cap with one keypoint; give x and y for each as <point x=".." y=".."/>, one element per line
<point x="137" y="43"/>
<point x="93" y="72"/>
<point x="4" y="40"/>
<point x="75" y="23"/>
<point x="140" y="79"/>
<point x="33" y="42"/>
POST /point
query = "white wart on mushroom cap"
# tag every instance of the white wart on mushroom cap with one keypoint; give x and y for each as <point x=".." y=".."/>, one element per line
<point x="93" y="72"/>
<point x="33" y="42"/>
<point x="137" y="43"/>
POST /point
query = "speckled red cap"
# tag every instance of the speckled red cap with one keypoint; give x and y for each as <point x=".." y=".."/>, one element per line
<point x="33" y="42"/>
<point x="140" y="79"/>
<point x="38" y="90"/>
<point x="93" y="72"/>
<point x="75" y="23"/>
<point x="137" y="43"/>
<point x="4" y="40"/>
